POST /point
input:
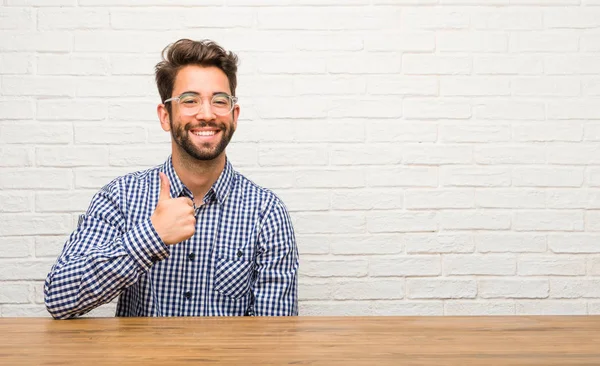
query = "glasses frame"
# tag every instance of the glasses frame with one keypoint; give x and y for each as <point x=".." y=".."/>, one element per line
<point x="233" y="99"/>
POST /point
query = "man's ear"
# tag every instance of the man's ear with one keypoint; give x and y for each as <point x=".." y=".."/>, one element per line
<point x="236" y="114"/>
<point x="163" y="116"/>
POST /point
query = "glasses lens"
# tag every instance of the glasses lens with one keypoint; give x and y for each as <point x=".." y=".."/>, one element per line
<point x="221" y="104"/>
<point x="189" y="104"/>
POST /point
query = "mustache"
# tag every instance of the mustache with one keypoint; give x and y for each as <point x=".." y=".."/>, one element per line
<point x="220" y="126"/>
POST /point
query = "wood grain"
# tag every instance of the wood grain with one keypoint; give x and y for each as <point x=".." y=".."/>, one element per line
<point x="532" y="340"/>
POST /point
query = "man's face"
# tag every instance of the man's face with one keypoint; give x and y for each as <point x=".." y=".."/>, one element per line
<point x="204" y="135"/>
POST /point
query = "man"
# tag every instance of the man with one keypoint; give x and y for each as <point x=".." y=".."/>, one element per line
<point x="190" y="237"/>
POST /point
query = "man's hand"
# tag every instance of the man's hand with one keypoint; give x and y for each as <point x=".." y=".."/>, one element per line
<point x="173" y="219"/>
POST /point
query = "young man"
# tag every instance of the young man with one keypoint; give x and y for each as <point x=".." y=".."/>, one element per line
<point x="190" y="237"/>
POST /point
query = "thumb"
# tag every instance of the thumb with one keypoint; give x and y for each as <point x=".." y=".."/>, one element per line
<point x="165" y="187"/>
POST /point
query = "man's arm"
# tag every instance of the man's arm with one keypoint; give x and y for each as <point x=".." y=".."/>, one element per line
<point x="276" y="286"/>
<point x="100" y="259"/>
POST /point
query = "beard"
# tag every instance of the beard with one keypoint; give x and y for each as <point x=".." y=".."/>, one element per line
<point x="181" y="136"/>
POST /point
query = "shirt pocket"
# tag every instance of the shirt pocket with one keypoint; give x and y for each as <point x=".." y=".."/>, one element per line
<point x="232" y="277"/>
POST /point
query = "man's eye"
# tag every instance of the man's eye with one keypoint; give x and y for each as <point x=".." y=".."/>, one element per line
<point x="221" y="101"/>
<point x="189" y="101"/>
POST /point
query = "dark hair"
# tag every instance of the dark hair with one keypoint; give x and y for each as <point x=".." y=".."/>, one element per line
<point x="187" y="52"/>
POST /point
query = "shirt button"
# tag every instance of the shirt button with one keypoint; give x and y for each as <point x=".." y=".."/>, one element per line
<point x="239" y="253"/>
<point x="192" y="256"/>
<point x="188" y="295"/>
<point x="154" y="259"/>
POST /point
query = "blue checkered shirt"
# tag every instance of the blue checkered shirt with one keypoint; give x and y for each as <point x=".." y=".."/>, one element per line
<point x="242" y="259"/>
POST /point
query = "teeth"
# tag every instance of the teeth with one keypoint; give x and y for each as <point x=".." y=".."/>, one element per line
<point x="205" y="133"/>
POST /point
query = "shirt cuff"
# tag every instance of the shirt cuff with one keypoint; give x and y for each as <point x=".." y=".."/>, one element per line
<point x="144" y="245"/>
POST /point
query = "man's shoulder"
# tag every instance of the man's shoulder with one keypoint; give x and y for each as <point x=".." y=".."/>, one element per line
<point x="133" y="180"/>
<point x="248" y="187"/>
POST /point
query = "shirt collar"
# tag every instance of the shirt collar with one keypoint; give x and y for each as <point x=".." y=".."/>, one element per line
<point x="221" y="187"/>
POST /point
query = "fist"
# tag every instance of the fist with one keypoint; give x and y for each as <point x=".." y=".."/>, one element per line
<point x="173" y="218"/>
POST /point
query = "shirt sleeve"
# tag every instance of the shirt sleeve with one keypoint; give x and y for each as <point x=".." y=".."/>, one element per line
<point x="276" y="287"/>
<point x="101" y="258"/>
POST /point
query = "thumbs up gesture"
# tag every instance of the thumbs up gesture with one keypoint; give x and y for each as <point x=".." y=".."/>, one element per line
<point x="173" y="218"/>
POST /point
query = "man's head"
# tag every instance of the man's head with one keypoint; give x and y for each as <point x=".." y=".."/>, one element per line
<point x="196" y="81"/>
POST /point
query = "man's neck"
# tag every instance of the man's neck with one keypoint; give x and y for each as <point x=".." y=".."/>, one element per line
<point x="197" y="175"/>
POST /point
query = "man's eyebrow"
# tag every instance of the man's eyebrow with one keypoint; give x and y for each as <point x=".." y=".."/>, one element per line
<point x="196" y="93"/>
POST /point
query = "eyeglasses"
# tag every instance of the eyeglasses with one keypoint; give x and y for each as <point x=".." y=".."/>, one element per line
<point x="221" y="104"/>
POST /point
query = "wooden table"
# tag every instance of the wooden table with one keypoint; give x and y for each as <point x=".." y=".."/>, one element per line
<point x="527" y="340"/>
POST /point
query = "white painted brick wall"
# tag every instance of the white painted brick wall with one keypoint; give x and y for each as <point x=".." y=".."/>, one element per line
<point x="438" y="157"/>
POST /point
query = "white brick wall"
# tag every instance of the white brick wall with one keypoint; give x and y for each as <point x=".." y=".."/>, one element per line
<point x="438" y="157"/>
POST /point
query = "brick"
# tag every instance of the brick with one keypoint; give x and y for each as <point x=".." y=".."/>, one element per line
<point x="35" y="133"/>
<point x="360" y="63"/>
<point x="437" y="154"/>
<point x="591" y="220"/>
<point x="71" y="156"/>
<point x="312" y="243"/>
<point x="72" y="18"/>
<point x="16" y="201"/>
<point x="129" y="110"/>
<point x="34" y="224"/>
<point x="439" y="199"/>
<point x="434" y="18"/>
<point x="580" y="109"/>
<point x="329" y="178"/>
<point x="593" y="177"/>
<point x="551" y="131"/>
<point x="548" y="220"/>
<point x="574" y="243"/>
<point x="478" y="308"/>
<point x="333" y="131"/>
<point x="40" y="3"/>
<point x="420" y="288"/>
<point x="333" y="223"/>
<point x="16" y="63"/>
<point x="400" y="41"/>
<point x="513" y="288"/>
<point x="338" y="18"/>
<point x="137" y="64"/>
<point x="35" y="178"/>
<point x="76" y="201"/>
<point x="401" y="131"/>
<point x="49" y="246"/>
<point x="570" y="154"/>
<point x="543" y="41"/>
<point x="580" y="64"/>
<point x="299" y="107"/>
<point x="16" y="109"/>
<point x="46" y="41"/>
<point x="401" y="85"/>
<point x="436" y="65"/>
<point x="16" y="247"/>
<point x="361" y="154"/>
<point x="475" y="86"/>
<point x="519" y="64"/>
<point x="328" y="42"/>
<point x="504" y="19"/>
<point x="410" y="266"/>
<point x="463" y="132"/>
<point x="572" y="288"/>
<point x="315" y="290"/>
<point x="401" y="221"/>
<point x="291" y="64"/>
<point x="14" y="293"/>
<point x="491" y="264"/>
<point x="62" y="110"/>
<point x="471" y="41"/>
<point x="510" y="198"/>
<point x="548" y="86"/>
<point x="142" y="156"/>
<point x="367" y="199"/>
<point x="372" y="307"/>
<point x="20" y="310"/>
<point x="569" y="18"/>
<point x="510" y="243"/>
<point x="53" y="64"/>
<point x="15" y="157"/>
<point x="474" y="220"/>
<point x="547" y="177"/>
<point x="509" y="110"/>
<point x="328" y="84"/>
<point x="96" y="134"/>
<point x="573" y="198"/>
<point x="119" y="42"/>
<point x="281" y="155"/>
<point x="335" y="268"/>
<point x="436" y="109"/>
<point x="40" y="86"/>
<point x="439" y="243"/>
<point x="369" y="290"/>
<point x="555" y="265"/>
<point x="590" y="87"/>
<point x="551" y="307"/>
<point x="305" y="200"/>
<point x="25" y="270"/>
<point x="475" y="177"/>
<point x="116" y="86"/>
<point x="365" y="244"/>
